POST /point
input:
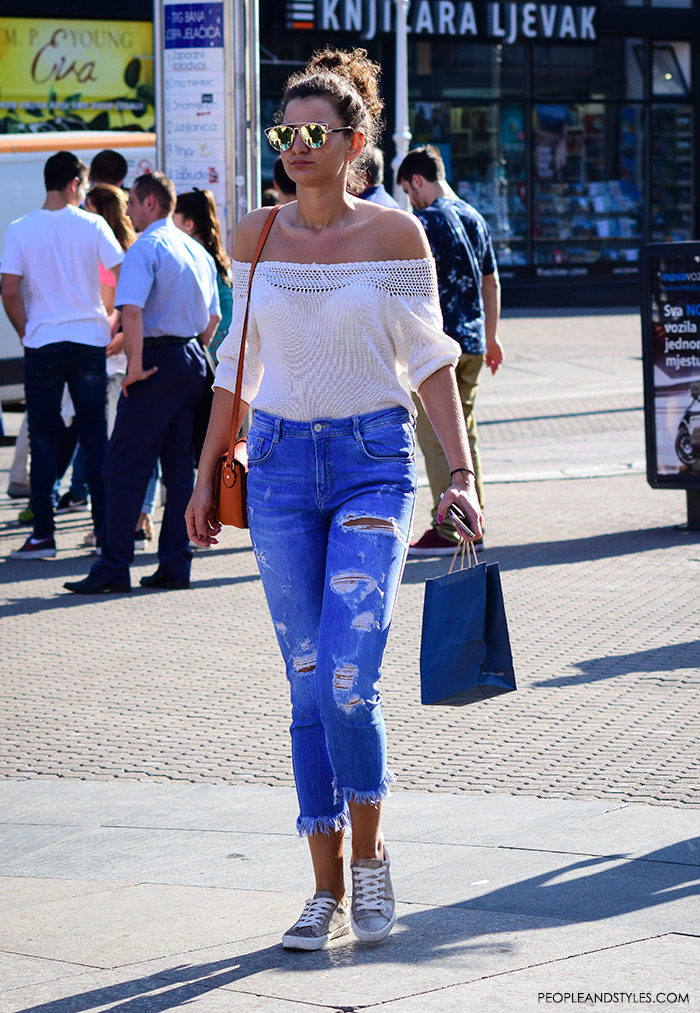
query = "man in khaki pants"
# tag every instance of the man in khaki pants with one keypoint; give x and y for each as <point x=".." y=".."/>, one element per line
<point x="470" y="300"/>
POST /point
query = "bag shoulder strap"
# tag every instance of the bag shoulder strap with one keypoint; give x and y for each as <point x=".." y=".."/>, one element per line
<point x="241" y="355"/>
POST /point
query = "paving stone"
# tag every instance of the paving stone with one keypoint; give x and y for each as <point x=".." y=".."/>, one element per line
<point x="188" y="688"/>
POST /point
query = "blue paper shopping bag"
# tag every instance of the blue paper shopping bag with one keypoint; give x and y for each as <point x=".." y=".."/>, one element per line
<point x="465" y="651"/>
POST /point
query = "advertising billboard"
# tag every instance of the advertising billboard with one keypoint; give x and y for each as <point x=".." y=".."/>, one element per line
<point x="75" y="75"/>
<point x="194" y="97"/>
<point x="671" y="345"/>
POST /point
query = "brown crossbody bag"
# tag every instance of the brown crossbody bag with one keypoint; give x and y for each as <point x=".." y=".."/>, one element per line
<point x="231" y="473"/>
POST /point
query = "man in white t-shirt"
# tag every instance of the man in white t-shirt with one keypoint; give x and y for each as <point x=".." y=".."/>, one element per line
<point x="51" y="293"/>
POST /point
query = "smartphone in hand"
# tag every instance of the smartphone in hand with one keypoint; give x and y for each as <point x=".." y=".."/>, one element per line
<point x="459" y="519"/>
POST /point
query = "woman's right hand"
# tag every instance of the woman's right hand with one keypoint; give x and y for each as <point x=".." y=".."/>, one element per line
<point x="200" y="517"/>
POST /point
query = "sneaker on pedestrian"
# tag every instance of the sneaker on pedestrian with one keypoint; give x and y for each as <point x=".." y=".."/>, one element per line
<point x="36" y="548"/>
<point x="373" y="908"/>
<point x="25" y="516"/>
<point x="19" y="490"/>
<point x="432" y="544"/>
<point x="69" y="504"/>
<point x="322" y="919"/>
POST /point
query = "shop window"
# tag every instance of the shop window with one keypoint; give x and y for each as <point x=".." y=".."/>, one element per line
<point x="424" y="58"/>
<point x="671" y="173"/>
<point x="588" y="183"/>
<point x="483" y="147"/>
<point x="670" y="69"/>
<point x="568" y="72"/>
<point x="465" y="70"/>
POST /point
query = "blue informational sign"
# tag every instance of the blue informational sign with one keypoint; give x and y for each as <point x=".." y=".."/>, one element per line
<point x="194" y="97"/>
<point x="671" y="346"/>
<point x="194" y="26"/>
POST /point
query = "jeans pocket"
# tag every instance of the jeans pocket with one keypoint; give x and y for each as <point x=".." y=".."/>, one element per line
<point x="389" y="442"/>
<point x="259" y="444"/>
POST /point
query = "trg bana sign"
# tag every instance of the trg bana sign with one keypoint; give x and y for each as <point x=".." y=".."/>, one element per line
<point x="499" y="22"/>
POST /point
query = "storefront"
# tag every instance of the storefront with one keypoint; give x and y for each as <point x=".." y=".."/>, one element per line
<point x="569" y="127"/>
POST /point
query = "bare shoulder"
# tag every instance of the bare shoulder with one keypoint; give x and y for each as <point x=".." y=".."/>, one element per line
<point x="398" y="235"/>
<point x="247" y="234"/>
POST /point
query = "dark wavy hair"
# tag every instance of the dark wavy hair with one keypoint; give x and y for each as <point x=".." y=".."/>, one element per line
<point x="199" y="206"/>
<point x="350" y="81"/>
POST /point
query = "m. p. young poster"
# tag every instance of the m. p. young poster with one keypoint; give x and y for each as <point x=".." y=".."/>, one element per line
<point x="75" y="75"/>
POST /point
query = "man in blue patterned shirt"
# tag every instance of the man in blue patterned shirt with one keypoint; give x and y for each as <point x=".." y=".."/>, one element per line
<point x="470" y="298"/>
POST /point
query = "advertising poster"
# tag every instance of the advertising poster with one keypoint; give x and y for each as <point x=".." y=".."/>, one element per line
<point x="671" y="332"/>
<point x="194" y="97"/>
<point x="75" y="75"/>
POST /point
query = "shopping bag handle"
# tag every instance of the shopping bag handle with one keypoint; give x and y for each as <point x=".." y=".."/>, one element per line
<point x="465" y="547"/>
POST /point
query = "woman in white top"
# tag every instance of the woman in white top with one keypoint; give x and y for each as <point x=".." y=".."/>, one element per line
<point x="344" y="297"/>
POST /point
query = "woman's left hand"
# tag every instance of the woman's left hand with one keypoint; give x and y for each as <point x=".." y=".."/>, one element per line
<point x="465" y="497"/>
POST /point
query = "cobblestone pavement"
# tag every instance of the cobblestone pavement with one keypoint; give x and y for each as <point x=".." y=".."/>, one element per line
<point x="600" y="585"/>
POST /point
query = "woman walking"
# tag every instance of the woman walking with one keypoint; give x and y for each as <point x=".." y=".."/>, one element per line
<point x="344" y="297"/>
<point x="195" y="214"/>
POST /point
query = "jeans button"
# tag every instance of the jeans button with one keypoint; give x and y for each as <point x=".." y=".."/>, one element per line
<point x="318" y="427"/>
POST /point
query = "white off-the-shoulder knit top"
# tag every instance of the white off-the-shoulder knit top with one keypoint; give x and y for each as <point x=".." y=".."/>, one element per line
<point x="331" y="340"/>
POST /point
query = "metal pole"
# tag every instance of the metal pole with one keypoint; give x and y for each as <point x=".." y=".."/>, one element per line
<point x="253" y="104"/>
<point x="402" y="133"/>
<point x="158" y="45"/>
<point x="693" y="507"/>
<point x="240" y="118"/>
<point x="230" y="133"/>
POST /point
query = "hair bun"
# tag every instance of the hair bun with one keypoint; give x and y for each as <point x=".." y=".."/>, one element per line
<point x="355" y="66"/>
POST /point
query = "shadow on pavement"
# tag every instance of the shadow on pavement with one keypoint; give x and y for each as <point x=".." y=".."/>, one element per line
<point x="592" y="891"/>
<point x="66" y="599"/>
<point x="565" y="551"/>
<point x="656" y="659"/>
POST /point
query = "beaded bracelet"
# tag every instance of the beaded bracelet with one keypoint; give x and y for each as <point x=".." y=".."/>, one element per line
<point x="465" y="471"/>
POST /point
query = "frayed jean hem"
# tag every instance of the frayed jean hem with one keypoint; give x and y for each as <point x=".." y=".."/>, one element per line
<point x="308" y="826"/>
<point x="366" y="797"/>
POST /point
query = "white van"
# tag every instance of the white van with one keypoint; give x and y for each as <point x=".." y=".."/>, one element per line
<point x="22" y="158"/>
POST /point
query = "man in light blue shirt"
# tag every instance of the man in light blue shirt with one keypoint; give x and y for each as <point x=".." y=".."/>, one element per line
<point x="168" y="297"/>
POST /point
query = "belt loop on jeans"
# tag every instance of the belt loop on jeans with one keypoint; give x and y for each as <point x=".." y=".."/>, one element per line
<point x="357" y="432"/>
<point x="277" y="431"/>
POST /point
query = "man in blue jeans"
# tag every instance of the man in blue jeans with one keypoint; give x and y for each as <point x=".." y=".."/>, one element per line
<point x="168" y="297"/>
<point x="51" y="294"/>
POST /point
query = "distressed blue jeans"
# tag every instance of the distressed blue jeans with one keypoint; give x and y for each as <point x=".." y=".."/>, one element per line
<point x="330" y="504"/>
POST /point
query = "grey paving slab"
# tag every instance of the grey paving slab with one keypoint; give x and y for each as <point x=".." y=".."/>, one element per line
<point x="107" y="991"/>
<point x="183" y="857"/>
<point x="18" y="971"/>
<point x="133" y="923"/>
<point x="592" y="827"/>
<point x="143" y="804"/>
<point x="26" y="839"/>
<point x="24" y="892"/>
<point x="83" y="803"/>
<point x="428" y="949"/>
<point x="654" y="896"/>
<point x="589" y="828"/>
<point x="661" y="971"/>
<point x="485" y="819"/>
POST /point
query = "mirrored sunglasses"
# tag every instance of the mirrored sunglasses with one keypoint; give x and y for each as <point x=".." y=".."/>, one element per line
<point x="312" y="134"/>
